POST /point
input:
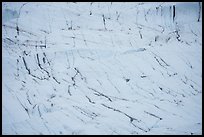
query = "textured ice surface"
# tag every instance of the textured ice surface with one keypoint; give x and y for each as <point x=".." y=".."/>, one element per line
<point x="101" y="68"/>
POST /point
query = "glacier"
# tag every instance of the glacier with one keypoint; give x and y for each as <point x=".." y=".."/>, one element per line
<point x="107" y="68"/>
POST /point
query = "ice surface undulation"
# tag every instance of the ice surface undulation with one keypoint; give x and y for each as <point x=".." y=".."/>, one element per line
<point x="102" y="68"/>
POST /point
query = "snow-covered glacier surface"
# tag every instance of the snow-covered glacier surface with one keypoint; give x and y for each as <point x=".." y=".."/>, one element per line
<point x="102" y="68"/>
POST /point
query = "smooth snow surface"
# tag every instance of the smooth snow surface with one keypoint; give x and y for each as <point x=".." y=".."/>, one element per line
<point x="102" y="68"/>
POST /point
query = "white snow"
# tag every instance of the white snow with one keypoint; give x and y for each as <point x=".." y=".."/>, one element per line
<point x="101" y="68"/>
